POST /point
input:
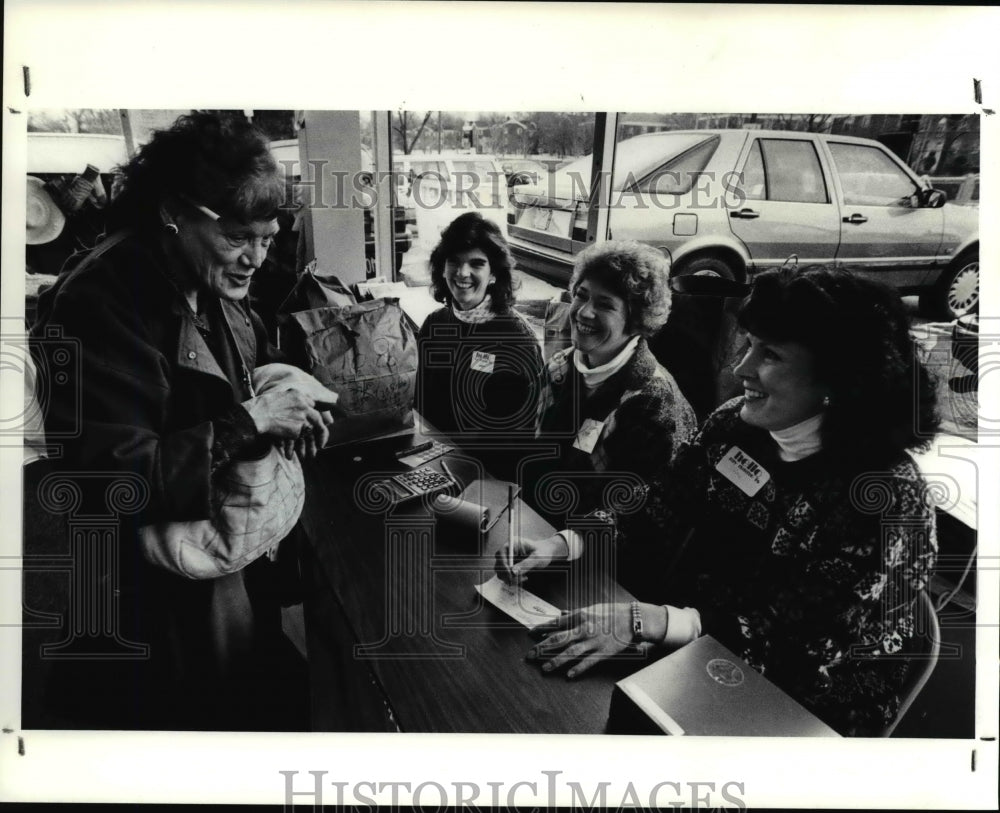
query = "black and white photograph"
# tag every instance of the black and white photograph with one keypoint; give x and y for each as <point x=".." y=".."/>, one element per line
<point x="377" y="442"/>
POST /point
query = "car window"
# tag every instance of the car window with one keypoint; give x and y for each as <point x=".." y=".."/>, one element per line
<point x="793" y="171"/>
<point x="636" y="157"/>
<point x="678" y="175"/>
<point x="869" y="177"/>
<point x="754" y="185"/>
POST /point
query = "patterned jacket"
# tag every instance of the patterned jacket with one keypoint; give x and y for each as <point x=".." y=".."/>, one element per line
<point x="643" y="416"/>
<point x="812" y="579"/>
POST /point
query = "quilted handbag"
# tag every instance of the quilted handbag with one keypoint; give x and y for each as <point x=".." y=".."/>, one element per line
<point x="255" y="504"/>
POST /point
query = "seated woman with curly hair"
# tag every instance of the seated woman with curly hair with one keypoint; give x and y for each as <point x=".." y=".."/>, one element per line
<point x="610" y="407"/>
<point x="794" y="528"/>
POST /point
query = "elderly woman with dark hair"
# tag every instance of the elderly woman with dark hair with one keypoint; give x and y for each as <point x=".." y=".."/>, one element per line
<point x="607" y="403"/>
<point x="479" y="359"/>
<point x="169" y="353"/>
<point x="794" y="528"/>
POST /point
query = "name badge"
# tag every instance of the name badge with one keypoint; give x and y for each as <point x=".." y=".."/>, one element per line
<point x="483" y="362"/>
<point x="586" y="438"/>
<point x="743" y="471"/>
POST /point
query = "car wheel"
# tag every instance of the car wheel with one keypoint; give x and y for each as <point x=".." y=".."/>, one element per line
<point x="957" y="292"/>
<point x="705" y="267"/>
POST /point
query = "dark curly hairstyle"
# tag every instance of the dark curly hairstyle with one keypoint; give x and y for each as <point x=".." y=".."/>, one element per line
<point x="637" y="273"/>
<point x="465" y="232"/>
<point x="224" y="165"/>
<point x="882" y="398"/>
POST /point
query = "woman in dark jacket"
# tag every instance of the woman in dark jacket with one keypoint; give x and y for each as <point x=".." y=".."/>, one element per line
<point x="479" y="359"/>
<point x="609" y="412"/>
<point x="168" y="347"/>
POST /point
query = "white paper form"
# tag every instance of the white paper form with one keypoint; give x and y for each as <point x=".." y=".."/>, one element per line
<point x="520" y="604"/>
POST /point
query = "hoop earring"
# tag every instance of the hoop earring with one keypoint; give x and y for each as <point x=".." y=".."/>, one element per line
<point x="171" y="229"/>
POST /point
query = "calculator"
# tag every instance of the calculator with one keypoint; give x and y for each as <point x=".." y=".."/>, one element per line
<point x="416" y="483"/>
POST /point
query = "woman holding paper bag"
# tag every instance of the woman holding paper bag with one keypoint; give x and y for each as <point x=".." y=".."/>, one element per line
<point x="177" y="383"/>
<point x="794" y="528"/>
<point x="607" y="403"/>
<point x="479" y="359"/>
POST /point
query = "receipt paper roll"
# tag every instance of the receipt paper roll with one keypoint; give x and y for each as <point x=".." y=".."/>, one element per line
<point x="462" y="513"/>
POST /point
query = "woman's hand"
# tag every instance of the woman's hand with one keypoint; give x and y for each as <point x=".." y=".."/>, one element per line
<point x="299" y="421"/>
<point x="584" y="637"/>
<point x="530" y="554"/>
<point x="292" y="416"/>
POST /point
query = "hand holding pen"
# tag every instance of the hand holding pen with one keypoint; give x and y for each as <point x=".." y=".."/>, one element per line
<point x="524" y="555"/>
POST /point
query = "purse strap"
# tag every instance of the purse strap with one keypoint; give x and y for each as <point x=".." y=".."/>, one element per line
<point x="101" y="249"/>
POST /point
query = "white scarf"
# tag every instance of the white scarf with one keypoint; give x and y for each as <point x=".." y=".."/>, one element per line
<point x="799" y="441"/>
<point x="593" y="376"/>
<point x="483" y="312"/>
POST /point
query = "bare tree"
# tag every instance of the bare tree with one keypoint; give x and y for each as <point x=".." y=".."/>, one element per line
<point x="405" y="121"/>
<point x="75" y="120"/>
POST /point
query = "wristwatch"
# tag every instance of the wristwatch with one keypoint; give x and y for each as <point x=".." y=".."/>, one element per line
<point x="636" y="623"/>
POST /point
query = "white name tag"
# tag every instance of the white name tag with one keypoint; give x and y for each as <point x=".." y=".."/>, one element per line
<point x="483" y="362"/>
<point x="743" y="471"/>
<point x="586" y="438"/>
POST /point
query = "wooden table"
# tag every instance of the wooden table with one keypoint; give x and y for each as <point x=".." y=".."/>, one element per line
<point x="398" y="637"/>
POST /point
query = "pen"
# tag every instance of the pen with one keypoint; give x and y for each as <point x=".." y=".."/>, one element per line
<point x="510" y="526"/>
<point x="422" y="447"/>
<point x="447" y="471"/>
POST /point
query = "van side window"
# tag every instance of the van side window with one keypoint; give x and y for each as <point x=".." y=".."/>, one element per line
<point x="869" y="177"/>
<point x="793" y="171"/>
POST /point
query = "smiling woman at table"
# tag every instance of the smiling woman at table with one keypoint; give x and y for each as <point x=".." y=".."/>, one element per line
<point x="794" y="528"/>
<point x="479" y="360"/>
<point x="608" y="403"/>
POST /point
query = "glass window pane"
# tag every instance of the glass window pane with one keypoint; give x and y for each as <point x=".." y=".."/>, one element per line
<point x="678" y="175"/>
<point x="793" y="171"/>
<point x="451" y="162"/>
<point x="869" y="177"/>
<point x="754" y="186"/>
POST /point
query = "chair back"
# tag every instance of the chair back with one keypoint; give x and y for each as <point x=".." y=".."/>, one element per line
<point x="922" y="663"/>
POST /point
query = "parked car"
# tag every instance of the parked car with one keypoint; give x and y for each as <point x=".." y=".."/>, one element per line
<point x="523" y="170"/>
<point x="449" y="174"/>
<point x="732" y="202"/>
<point x="437" y="181"/>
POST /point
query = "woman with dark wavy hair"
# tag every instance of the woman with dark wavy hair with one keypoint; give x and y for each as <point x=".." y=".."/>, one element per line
<point x="479" y="358"/>
<point x="171" y="390"/>
<point x="794" y="528"/>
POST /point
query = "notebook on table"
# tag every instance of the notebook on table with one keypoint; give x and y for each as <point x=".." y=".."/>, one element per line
<point x="703" y="689"/>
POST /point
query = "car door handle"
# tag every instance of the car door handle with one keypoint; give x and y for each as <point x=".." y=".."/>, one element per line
<point x="746" y="214"/>
<point x="856" y="218"/>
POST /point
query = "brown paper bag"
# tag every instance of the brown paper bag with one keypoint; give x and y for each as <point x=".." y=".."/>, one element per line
<point x="367" y="354"/>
